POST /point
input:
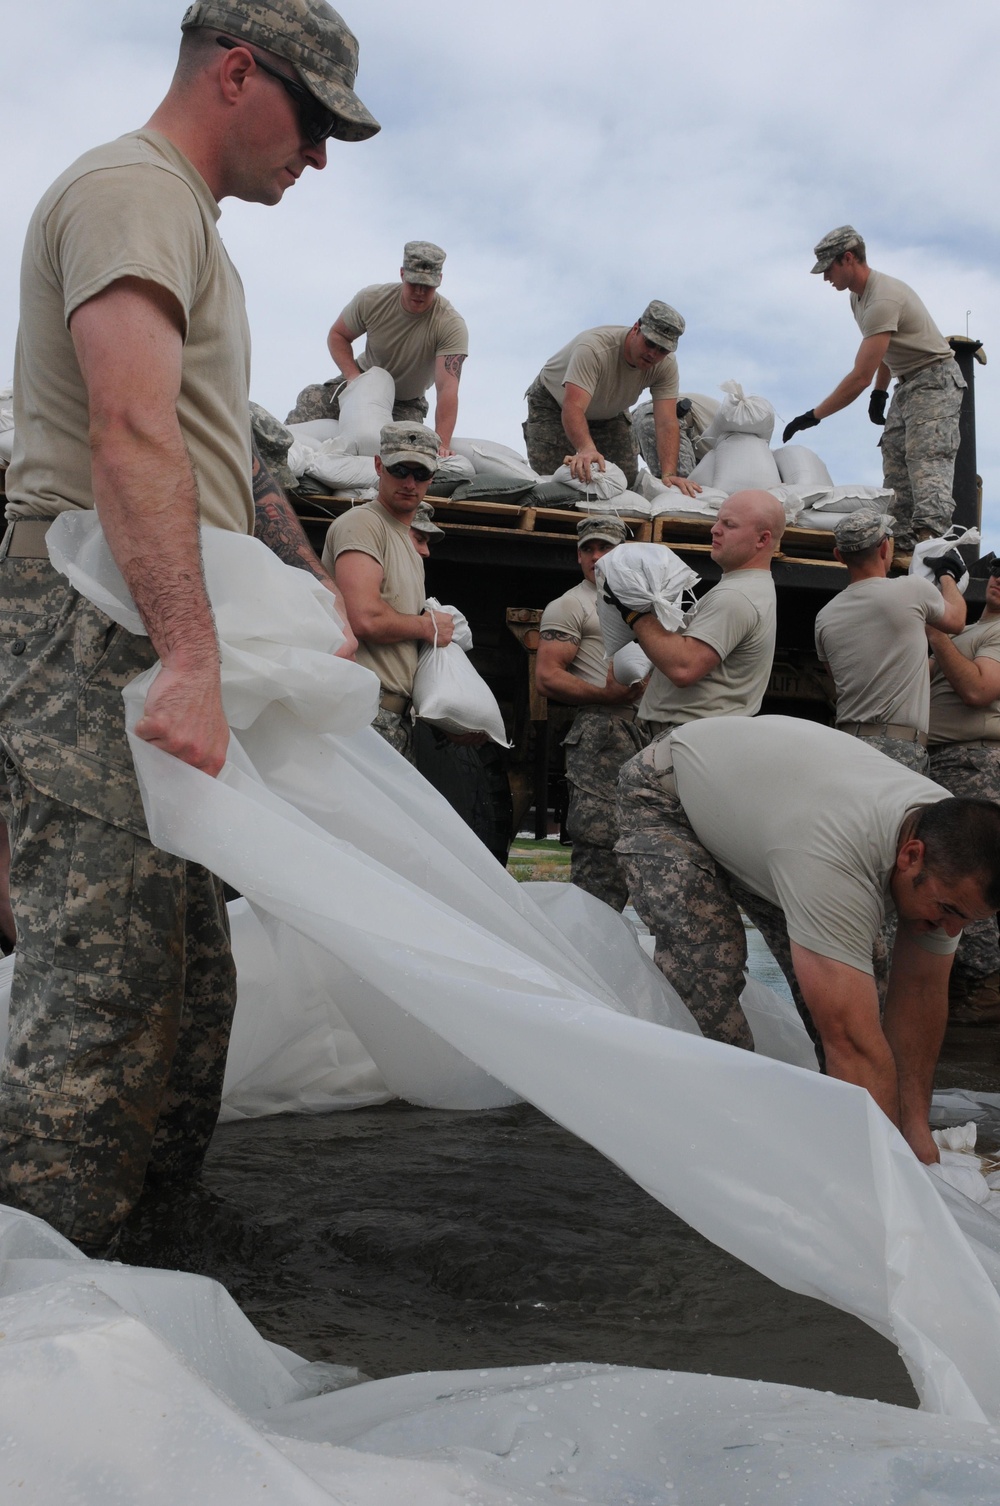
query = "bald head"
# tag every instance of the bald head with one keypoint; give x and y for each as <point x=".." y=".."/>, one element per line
<point x="747" y="531"/>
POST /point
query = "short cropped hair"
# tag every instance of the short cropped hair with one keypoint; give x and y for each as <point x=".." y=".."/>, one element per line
<point x="961" y="839"/>
<point x="858" y="249"/>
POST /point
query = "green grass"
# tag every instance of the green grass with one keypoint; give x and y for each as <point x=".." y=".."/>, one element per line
<point x="531" y="860"/>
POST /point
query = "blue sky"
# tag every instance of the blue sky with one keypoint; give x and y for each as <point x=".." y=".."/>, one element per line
<point x="576" y="160"/>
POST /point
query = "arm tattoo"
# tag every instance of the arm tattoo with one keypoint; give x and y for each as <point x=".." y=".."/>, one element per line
<point x="552" y="635"/>
<point x="276" y="524"/>
<point x="453" y="365"/>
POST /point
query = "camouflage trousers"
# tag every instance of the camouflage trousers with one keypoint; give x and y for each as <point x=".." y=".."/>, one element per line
<point x="919" y="444"/>
<point x="692" y="905"/>
<point x="124" y="984"/>
<point x="397" y="730"/>
<point x="645" y="433"/>
<point x="971" y="769"/>
<point x="548" y="445"/>
<point x="912" y="755"/>
<point x="597" y="745"/>
<point x="322" y="400"/>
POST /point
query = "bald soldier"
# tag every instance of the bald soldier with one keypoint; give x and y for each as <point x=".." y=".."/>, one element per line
<point x="581" y="397"/>
<point x="901" y="340"/>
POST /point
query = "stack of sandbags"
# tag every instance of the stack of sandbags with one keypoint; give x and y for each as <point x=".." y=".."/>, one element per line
<point x="490" y="458"/>
<point x="738" y="440"/>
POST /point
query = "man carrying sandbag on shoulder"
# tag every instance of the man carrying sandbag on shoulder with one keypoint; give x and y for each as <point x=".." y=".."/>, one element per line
<point x="380" y="576"/>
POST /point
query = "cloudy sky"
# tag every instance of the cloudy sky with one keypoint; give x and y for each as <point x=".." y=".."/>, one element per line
<point x="576" y="160"/>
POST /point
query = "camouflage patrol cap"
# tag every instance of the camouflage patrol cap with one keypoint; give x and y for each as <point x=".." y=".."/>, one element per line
<point x="844" y="238"/>
<point x="611" y="530"/>
<point x="862" y="530"/>
<point x="423" y="520"/>
<point x="422" y="263"/>
<point x="311" y="36"/>
<point x="399" y="443"/>
<point x="661" y="324"/>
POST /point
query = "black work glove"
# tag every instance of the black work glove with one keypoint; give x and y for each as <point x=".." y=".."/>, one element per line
<point x="951" y="564"/>
<point x="876" y="406"/>
<point x="804" y="421"/>
<point x="630" y="615"/>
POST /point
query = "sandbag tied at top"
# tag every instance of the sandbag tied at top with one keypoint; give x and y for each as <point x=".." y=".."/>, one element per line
<point x="743" y="462"/>
<point x="800" y="466"/>
<point x="602" y="485"/>
<point x="449" y="692"/>
<point x="739" y="414"/>
<point x="648" y="576"/>
<point x="365" y="408"/>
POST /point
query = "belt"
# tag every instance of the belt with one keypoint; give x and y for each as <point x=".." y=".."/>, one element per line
<point x="898" y="730"/>
<point x="921" y="369"/>
<point x="389" y="701"/>
<point x="968" y="742"/>
<point x="25" y="539"/>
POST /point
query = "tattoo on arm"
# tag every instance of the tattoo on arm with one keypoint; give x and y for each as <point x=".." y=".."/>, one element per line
<point x="553" y="636"/>
<point x="276" y="524"/>
<point x="453" y="365"/>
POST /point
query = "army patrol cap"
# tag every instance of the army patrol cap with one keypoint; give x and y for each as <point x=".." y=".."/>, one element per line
<point x="413" y="443"/>
<point x="844" y="238"/>
<point x="610" y="530"/>
<point x="862" y="530"/>
<point x="423" y="520"/>
<point x="422" y="263"/>
<point x="661" y="324"/>
<point x="311" y="36"/>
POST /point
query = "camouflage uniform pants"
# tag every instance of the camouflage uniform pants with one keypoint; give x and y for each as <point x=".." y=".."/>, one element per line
<point x="692" y="905"/>
<point x="919" y="444"/>
<point x="124" y="985"/>
<point x="548" y="445"/>
<point x="397" y="730"/>
<point x="645" y="433"/>
<point x="596" y="747"/>
<point x="912" y="755"/>
<point x="971" y="769"/>
<point x="322" y="400"/>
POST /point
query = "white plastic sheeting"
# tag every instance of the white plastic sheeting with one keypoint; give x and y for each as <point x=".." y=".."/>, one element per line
<point x="120" y="1385"/>
<point x="464" y="982"/>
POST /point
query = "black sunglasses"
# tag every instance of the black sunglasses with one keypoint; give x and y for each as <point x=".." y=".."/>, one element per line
<point x="418" y="472"/>
<point x="316" y="120"/>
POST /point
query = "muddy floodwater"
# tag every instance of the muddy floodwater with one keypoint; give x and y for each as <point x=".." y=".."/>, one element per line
<point x="397" y="1239"/>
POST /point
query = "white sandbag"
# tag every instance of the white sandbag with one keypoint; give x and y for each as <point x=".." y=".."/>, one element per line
<point x="790" y="499"/>
<point x="449" y="693"/>
<point x="956" y="537"/>
<point x="641" y="575"/>
<point x="365" y="409"/>
<point x="489" y="457"/>
<point x="6" y="425"/>
<point x="822" y="522"/>
<point x="743" y="462"/>
<point x="848" y="498"/>
<point x="672" y="501"/>
<point x="454" y="468"/>
<point x="625" y="505"/>
<point x="704" y="472"/>
<point x="603" y="486"/>
<point x="630" y="665"/>
<point x="315" y="428"/>
<point x="461" y="631"/>
<point x="739" y="414"/>
<point x="328" y="463"/>
<point x="800" y="466"/>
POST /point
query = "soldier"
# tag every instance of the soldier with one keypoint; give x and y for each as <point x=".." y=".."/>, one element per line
<point x="131" y="397"/>
<point x="901" y="340"/>
<point x="423" y="529"/>
<point x="381" y="576"/>
<point x="572" y="667"/>
<point x="582" y="395"/>
<point x="965" y="759"/>
<point x="871" y="638"/>
<point x="813" y="834"/>
<point x="413" y="333"/>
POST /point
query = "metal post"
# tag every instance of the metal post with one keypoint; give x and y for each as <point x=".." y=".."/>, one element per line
<point x="967" y="487"/>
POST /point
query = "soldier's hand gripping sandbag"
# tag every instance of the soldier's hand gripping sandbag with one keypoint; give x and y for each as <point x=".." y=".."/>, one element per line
<point x="629" y="615"/>
<point x="876" y="406"/>
<point x="951" y="564"/>
<point x="804" y="421"/>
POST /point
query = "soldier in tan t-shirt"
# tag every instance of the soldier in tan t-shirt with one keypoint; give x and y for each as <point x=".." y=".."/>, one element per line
<point x="380" y="576"/>
<point x="901" y="340"/>
<point x="965" y="758"/>
<point x="581" y="397"/>
<point x="572" y="667"/>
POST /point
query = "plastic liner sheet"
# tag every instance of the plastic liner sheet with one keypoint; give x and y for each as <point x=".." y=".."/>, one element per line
<point x="465" y="985"/>
<point x="120" y="1385"/>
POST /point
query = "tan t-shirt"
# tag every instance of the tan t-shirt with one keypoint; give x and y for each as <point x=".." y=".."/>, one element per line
<point x="737" y="618"/>
<point x="807" y="818"/>
<point x="575" y="614"/>
<point x="596" y="362"/>
<point x="888" y="306"/>
<point x="952" y="721"/>
<point x="405" y="345"/>
<point x="132" y="208"/>
<point x="872" y="636"/>
<point x="372" y="529"/>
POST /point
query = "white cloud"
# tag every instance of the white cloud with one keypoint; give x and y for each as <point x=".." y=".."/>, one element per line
<point x="578" y="159"/>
